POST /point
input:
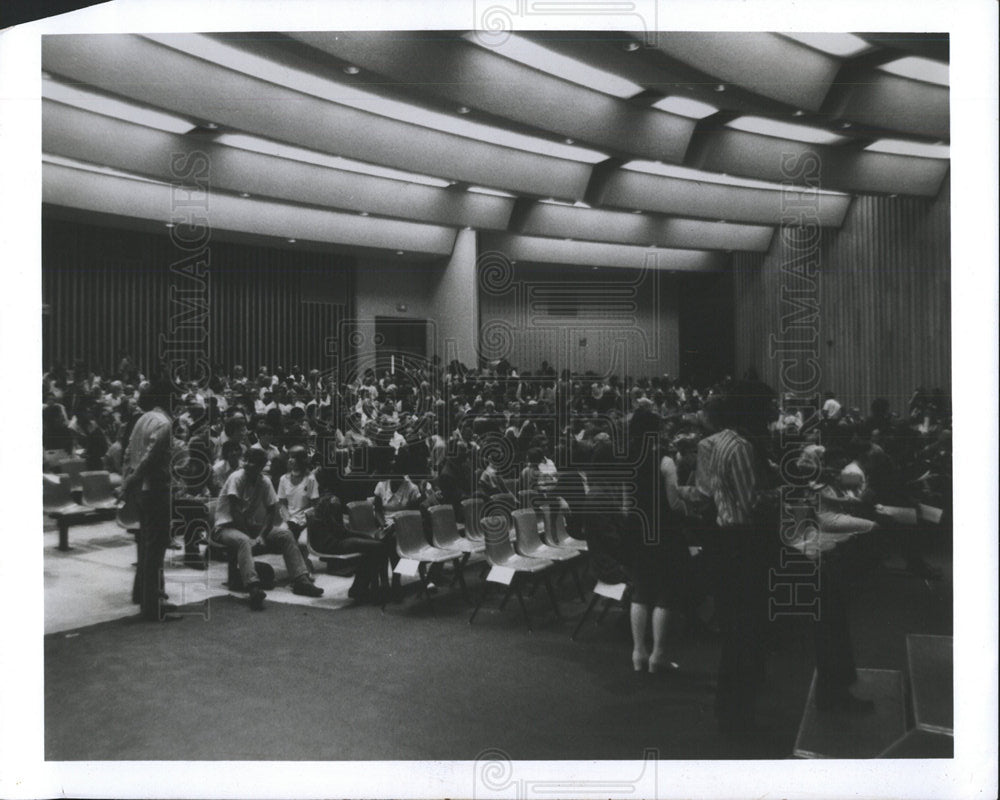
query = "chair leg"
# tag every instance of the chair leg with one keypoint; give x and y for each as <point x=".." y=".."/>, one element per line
<point x="552" y="597"/>
<point x="524" y="609"/>
<point x="482" y="599"/>
<point x="506" y="595"/>
<point x="63" y="534"/>
<point x="586" y="613"/>
<point x="460" y="576"/>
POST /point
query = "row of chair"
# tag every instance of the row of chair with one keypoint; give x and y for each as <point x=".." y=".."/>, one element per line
<point x="518" y="544"/>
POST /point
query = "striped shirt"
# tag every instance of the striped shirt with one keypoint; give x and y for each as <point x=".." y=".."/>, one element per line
<point x="150" y="447"/>
<point x="726" y="474"/>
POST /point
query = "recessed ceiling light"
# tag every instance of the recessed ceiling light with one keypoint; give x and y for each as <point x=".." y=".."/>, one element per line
<point x="463" y="109"/>
<point x="551" y="201"/>
<point x="399" y="252"/>
<point x="467" y="228"/>
<point x="533" y="55"/>
<point x="244" y="194"/>
<point x="919" y="69"/>
<point x="452" y="183"/>
<point x="363" y="213"/>
<point x="168" y="224"/>
<point x="785" y="130"/>
<point x="844" y="45"/>
<point x="720" y="87"/>
<point x="798" y="113"/>
<point x="569" y="141"/>
<point x="113" y="107"/>
<point x="685" y="107"/>
<point x="688" y="174"/>
<point x="636" y="210"/>
<point x="902" y="147"/>
<point x="345" y="93"/>
<point x="631" y="47"/>
<point x="210" y="126"/>
<point x="846" y="125"/>
<point x="493" y="192"/>
<point x="290" y="241"/>
<point x="350" y="69"/>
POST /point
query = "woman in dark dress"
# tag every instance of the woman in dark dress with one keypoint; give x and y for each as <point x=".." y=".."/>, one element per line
<point x="660" y="563"/>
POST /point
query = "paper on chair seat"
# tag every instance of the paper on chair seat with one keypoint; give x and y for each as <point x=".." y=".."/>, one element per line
<point x="930" y="513"/>
<point x="502" y="575"/>
<point x="613" y="591"/>
<point x="407" y="566"/>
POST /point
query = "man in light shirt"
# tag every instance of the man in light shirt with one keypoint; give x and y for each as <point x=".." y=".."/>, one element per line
<point x="245" y="517"/>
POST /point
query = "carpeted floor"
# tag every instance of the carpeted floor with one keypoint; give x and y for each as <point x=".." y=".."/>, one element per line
<point x="305" y="683"/>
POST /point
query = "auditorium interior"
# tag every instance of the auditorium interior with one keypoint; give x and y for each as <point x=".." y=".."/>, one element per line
<point x="473" y="264"/>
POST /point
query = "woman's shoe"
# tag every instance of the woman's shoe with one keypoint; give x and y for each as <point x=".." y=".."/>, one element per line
<point x="663" y="666"/>
<point x="640" y="662"/>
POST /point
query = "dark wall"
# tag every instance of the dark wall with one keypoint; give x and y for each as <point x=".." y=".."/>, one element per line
<point x="706" y="324"/>
<point x="106" y="291"/>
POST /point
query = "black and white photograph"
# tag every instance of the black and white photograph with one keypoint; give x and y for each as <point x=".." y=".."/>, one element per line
<point x="504" y="400"/>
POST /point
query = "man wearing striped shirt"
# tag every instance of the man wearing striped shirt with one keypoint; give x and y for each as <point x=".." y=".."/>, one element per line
<point x="728" y="473"/>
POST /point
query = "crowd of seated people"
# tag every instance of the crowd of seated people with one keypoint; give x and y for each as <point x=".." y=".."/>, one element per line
<point x="624" y="460"/>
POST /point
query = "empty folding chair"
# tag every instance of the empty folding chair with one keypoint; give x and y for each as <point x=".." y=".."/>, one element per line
<point x="502" y="505"/>
<point x="555" y="529"/>
<point x="528" y="542"/>
<point x="58" y="503"/>
<point x="412" y="547"/>
<point x="472" y="510"/>
<point x="56" y="497"/>
<point x="509" y="569"/>
<point x="445" y="533"/>
<point x="97" y="491"/>
<point x="73" y="467"/>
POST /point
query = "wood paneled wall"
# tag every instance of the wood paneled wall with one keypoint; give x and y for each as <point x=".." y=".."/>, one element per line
<point x="609" y="321"/>
<point x="108" y="291"/>
<point x="884" y="300"/>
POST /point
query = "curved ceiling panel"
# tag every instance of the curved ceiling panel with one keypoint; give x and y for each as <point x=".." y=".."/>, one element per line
<point x="764" y="63"/>
<point x="546" y="219"/>
<point x="504" y="88"/>
<point x="137" y="68"/>
<point x="880" y="100"/>
<point x="595" y="254"/>
<point x="636" y="190"/>
<point x="86" y="136"/>
<point x="109" y="194"/>
<point x="769" y="158"/>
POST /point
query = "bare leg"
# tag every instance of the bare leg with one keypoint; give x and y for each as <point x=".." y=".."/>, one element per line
<point x="640" y="618"/>
<point x="658" y="661"/>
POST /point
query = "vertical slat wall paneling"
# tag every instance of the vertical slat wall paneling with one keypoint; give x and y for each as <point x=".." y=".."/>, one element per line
<point x="650" y="339"/>
<point x="884" y="300"/>
<point x="108" y="292"/>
